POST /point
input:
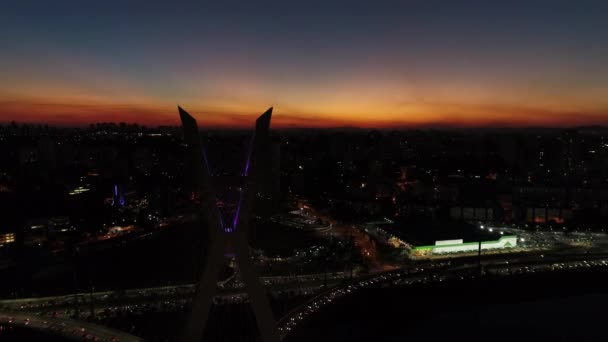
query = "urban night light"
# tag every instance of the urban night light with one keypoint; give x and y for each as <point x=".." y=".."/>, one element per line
<point x="303" y="171"/>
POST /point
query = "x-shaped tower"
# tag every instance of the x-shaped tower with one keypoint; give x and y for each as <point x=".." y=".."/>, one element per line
<point x="221" y="233"/>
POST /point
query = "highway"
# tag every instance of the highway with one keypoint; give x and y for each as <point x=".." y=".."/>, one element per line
<point x="34" y="312"/>
<point x="437" y="272"/>
<point x="68" y="328"/>
<point x="63" y="305"/>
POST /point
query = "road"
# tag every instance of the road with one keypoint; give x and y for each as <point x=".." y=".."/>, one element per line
<point x="68" y="328"/>
<point x="365" y="244"/>
<point x="176" y="297"/>
<point x="132" y="298"/>
<point x="436" y="272"/>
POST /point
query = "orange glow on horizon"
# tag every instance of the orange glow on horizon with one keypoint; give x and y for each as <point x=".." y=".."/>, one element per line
<point x="385" y="66"/>
<point x="425" y="115"/>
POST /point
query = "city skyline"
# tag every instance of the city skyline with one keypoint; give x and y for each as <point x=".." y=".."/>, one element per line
<point x="320" y="65"/>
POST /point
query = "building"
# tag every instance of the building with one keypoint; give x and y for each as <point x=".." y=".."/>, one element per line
<point x="472" y="213"/>
<point x="548" y="215"/>
<point x="7" y="238"/>
<point x="426" y="237"/>
<point x="458" y="246"/>
<point x="36" y="231"/>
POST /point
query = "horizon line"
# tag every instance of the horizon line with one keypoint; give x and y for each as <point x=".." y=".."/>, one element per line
<point x="293" y="127"/>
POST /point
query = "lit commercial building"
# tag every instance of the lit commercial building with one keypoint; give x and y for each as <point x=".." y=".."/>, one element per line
<point x="427" y="237"/>
<point x="458" y="245"/>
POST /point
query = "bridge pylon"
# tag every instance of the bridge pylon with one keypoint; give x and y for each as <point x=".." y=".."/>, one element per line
<point x="234" y="232"/>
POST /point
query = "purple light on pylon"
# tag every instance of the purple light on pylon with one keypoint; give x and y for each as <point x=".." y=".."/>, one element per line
<point x="225" y="228"/>
<point x="238" y="210"/>
<point x="206" y="161"/>
<point x="219" y="213"/>
<point x="249" y="155"/>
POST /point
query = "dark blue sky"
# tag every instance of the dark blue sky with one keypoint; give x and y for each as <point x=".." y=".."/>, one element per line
<point x="362" y="62"/>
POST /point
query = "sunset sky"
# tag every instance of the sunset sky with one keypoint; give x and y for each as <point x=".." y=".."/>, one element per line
<point x="348" y="63"/>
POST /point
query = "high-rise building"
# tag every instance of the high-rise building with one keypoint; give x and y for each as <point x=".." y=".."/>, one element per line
<point x="47" y="152"/>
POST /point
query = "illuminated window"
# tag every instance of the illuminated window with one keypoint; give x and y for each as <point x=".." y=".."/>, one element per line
<point x="7" y="238"/>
